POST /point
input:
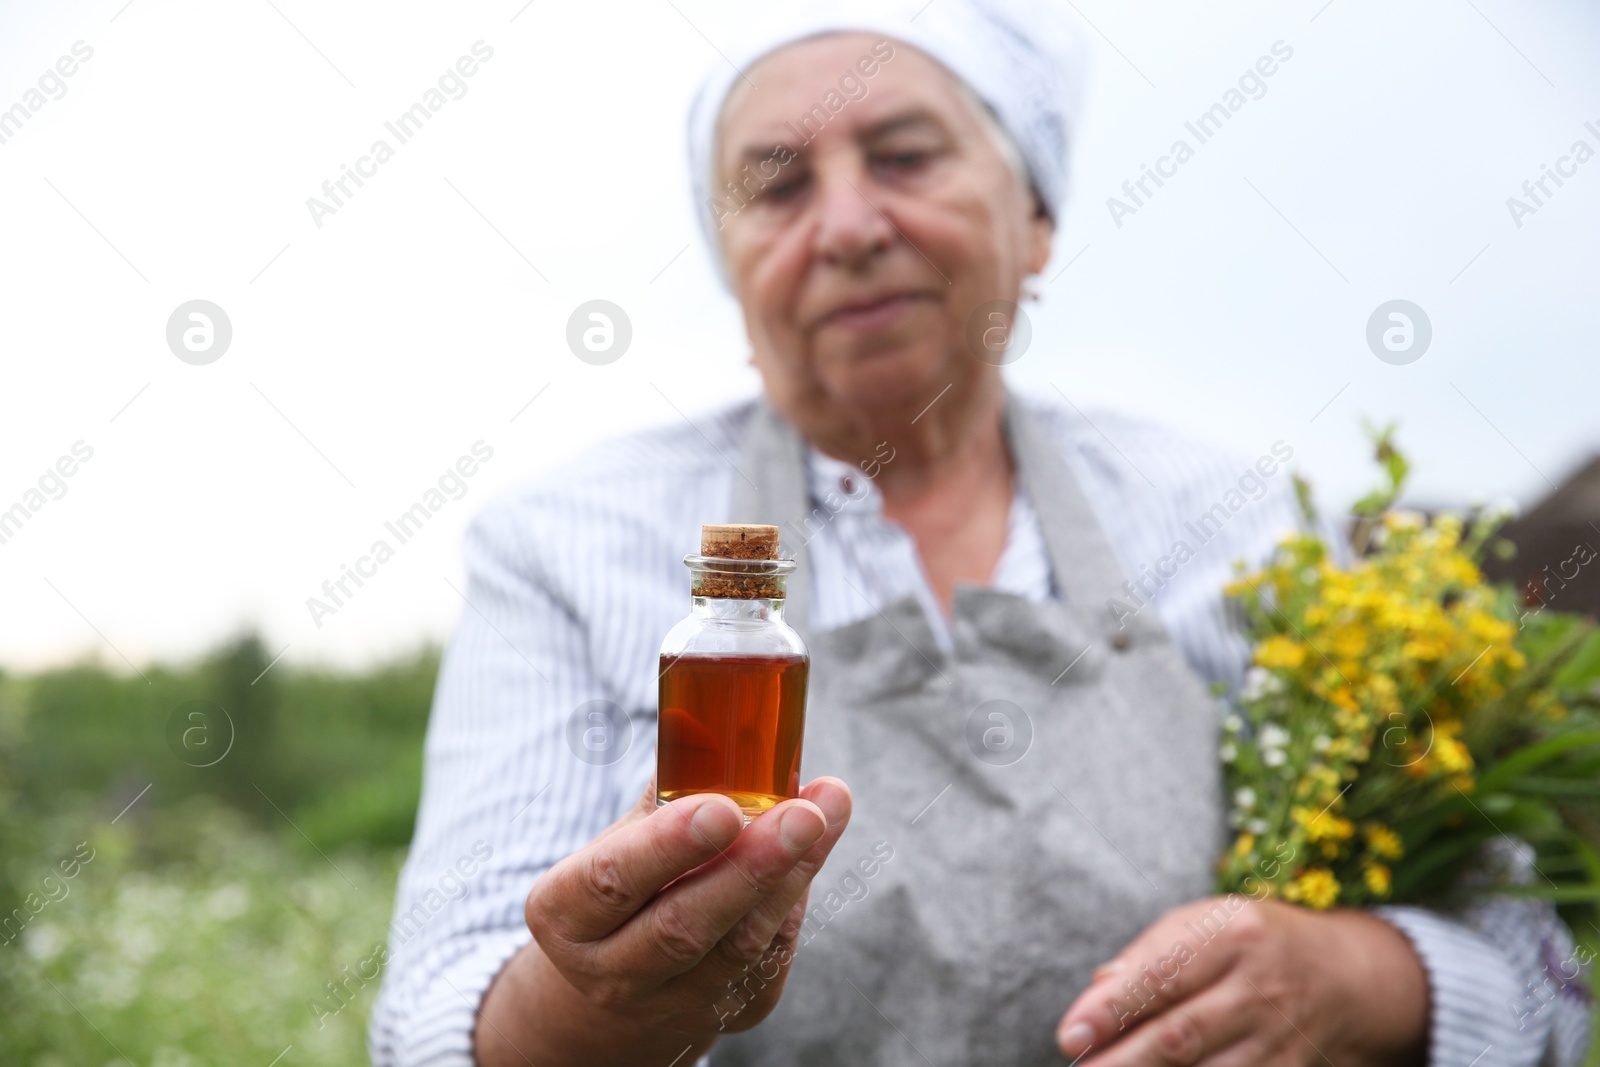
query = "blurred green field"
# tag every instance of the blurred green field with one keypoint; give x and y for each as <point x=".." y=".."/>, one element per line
<point x="202" y="924"/>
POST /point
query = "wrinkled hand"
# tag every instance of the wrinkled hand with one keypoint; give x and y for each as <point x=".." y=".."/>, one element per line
<point x="675" y="919"/>
<point x="1235" y="981"/>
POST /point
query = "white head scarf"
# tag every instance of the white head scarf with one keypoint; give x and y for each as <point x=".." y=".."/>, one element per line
<point x="1025" y="59"/>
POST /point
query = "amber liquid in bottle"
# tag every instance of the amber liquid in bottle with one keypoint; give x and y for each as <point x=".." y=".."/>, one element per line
<point x="731" y="725"/>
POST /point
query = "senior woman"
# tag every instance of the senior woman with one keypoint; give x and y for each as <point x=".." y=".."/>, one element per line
<point x="872" y="182"/>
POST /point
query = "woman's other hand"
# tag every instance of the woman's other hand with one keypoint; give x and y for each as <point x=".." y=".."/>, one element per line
<point x="1231" y="980"/>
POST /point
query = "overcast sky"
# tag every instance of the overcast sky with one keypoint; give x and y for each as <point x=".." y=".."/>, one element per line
<point x="370" y="352"/>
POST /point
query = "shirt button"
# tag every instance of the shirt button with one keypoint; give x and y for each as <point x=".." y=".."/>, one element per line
<point x="1120" y="642"/>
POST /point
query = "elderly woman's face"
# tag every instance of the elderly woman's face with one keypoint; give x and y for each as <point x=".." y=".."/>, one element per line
<point x="861" y="253"/>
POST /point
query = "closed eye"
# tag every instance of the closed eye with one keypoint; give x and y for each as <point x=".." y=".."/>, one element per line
<point x="902" y="160"/>
<point x="788" y="189"/>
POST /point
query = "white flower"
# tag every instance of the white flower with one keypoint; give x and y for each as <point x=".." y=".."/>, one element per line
<point x="1504" y="508"/>
<point x="1274" y="736"/>
<point x="1256" y="826"/>
<point x="1273" y="757"/>
<point x="1245" y="797"/>
<point x="1232" y="723"/>
<point x="1260" y="682"/>
<point x="1321" y="742"/>
<point x="44" y="941"/>
<point x="227" y="902"/>
<point x="1228" y="752"/>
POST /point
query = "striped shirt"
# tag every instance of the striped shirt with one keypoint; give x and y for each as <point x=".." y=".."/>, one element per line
<point x="574" y="577"/>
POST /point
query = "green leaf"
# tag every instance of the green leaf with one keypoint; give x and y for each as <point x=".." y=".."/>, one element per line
<point x="1582" y="670"/>
<point x="1505" y="773"/>
<point x="1576" y="787"/>
<point x="1438" y="853"/>
<point x="1587" y="893"/>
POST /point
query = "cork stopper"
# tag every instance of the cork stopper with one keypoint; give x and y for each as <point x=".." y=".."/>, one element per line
<point x="739" y="541"/>
<point x="739" y="561"/>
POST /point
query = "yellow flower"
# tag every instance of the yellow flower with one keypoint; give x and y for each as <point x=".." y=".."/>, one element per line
<point x="1350" y="641"/>
<point x="1246" y="842"/>
<point x="1453" y="756"/>
<point x="1377" y="878"/>
<point x="1343" y="698"/>
<point x="1383" y="841"/>
<point x="1487" y="628"/>
<point x="1317" y="888"/>
<point x="1424" y="649"/>
<point x="1280" y="651"/>
<point x="1323" y="826"/>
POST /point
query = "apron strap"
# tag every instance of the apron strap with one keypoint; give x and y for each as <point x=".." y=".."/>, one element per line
<point x="1086" y="569"/>
<point x="769" y="487"/>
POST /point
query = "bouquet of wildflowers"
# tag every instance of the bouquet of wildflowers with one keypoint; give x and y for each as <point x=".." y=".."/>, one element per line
<point x="1402" y="713"/>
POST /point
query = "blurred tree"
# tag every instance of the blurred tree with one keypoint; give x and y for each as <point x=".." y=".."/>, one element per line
<point x="338" y="754"/>
<point x="237" y="679"/>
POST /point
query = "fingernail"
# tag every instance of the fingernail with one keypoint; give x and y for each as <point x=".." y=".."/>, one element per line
<point x="1106" y="970"/>
<point x="1076" y="1039"/>
<point x="836" y="804"/>
<point x="791" y="924"/>
<point x="799" y="828"/>
<point x="712" y="822"/>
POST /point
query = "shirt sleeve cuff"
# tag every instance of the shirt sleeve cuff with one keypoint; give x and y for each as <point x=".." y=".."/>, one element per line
<point x="1473" y="993"/>
<point x="439" y="1028"/>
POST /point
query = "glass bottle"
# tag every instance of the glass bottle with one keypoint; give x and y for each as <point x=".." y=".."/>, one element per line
<point x="733" y="677"/>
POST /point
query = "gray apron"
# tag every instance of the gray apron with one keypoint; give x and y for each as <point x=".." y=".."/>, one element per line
<point x="1023" y="808"/>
